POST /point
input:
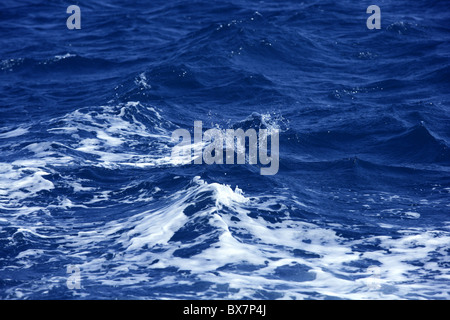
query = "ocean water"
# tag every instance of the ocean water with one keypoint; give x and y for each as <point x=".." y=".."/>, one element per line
<point x="359" y="208"/>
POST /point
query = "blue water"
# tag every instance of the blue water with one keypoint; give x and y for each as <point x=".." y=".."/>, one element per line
<point x="359" y="208"/>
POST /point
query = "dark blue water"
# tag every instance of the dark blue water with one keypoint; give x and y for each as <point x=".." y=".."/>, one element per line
<point x="358" y="209"/>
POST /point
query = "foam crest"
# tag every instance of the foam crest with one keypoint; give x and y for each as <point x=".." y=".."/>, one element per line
<point x="25" y="182"/>
<point x="120" y="134"/>
<point x="158" y="226"/>
<point x="14" y="133"/>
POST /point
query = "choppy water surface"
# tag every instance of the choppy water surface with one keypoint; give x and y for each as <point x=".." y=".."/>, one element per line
<point x="358" y="209"/>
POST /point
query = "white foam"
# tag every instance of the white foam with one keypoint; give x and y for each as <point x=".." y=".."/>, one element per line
<point x="64" y="56"/>
<point x="240" y="230"/>
<point x="116" y="129"/>
<point x="411" y="214"/>
<point x="244" y="239"/>
<point x="19" y="185"/>
<point x="14" y="133"/>
<point x="142" y="81"/>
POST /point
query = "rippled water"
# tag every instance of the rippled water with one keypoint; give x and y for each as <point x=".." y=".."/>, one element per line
<point x="359" y="208"/>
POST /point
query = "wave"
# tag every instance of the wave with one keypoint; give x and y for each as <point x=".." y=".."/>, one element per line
<point x="357" y="209"/>
<point x="232" y="245"/>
